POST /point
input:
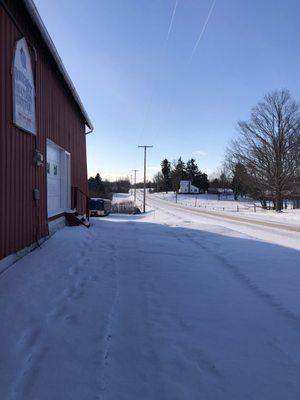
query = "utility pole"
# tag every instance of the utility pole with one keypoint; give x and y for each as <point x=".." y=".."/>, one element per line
<point x="131" y="184"/>
<point x="135" y="171"/>
<point x="145" y="161"/>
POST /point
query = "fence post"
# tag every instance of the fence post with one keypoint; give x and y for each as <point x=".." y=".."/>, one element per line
<point x="254" y="206"/>
<point x="195" y="201"/>
<point x="237" y="208"/>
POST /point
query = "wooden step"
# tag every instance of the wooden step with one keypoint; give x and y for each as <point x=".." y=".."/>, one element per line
<point x="76" y="220"/>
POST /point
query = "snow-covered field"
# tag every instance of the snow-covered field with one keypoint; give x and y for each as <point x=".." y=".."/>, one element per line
<point x="164" y="306"/>
<point x="122" y="197"/>
<point x="227" y="204"/>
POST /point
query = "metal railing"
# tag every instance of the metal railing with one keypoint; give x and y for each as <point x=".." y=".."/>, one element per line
<point x="76" y="192"/>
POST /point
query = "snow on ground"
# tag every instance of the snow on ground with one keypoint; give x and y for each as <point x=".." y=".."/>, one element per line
<point x="227" y="204"/>
<point x="122" y="197"/>
<point x="169" y="305"/>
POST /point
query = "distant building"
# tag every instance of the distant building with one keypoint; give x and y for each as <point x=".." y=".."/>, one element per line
<point x="187" y="187"/>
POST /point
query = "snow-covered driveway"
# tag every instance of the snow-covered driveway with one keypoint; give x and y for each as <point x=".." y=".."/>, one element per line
<point x="167" y="306"/>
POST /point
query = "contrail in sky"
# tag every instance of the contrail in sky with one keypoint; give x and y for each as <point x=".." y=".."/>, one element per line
<point x="162" y="55"/>
<point x="203" y="28"/>
<point x="171" y="22"/>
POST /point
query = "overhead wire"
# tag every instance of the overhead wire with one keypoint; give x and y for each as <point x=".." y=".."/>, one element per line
<point x="171" y="22"/>
<point x="170" y="28"/>
<point x="150" y="99"/>
<point x="203" y="29"/>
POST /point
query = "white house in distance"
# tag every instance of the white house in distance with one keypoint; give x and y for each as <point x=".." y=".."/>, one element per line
<point x="187" y="187"/>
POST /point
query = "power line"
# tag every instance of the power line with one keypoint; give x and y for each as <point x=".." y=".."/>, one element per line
<point x="149" y="103"/>
<point x="171" y="22"/>
<point x="203" y="28"/>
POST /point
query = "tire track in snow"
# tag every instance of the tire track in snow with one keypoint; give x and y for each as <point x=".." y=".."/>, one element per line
<point x="214" y="250"/>
<point x="247" y="281"/>
<point x="143" y="346"/>
<point x="186" y="351"/>
<point x="189" y="353"/>
<point x="152" y="306"/>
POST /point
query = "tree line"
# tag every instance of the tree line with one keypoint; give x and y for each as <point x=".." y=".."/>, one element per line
<point x="172" y="173"/>
<point x="105" y="188"/>
<point x="168" y="179"/>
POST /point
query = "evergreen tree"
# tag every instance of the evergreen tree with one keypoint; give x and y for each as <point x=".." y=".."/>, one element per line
<point x="166" y="172"/>
<point x="99" y="183"/>
<point x="91" y="186"/>
<point x="178" y="174"/>
<point x="96" y="186"/>
<point x="191" y="169"/>
<point x="201" y="182"/>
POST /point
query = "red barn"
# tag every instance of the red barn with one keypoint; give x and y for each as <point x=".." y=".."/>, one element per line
<point x="43" y="171"/>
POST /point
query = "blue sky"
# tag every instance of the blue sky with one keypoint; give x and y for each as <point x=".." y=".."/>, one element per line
<point x="140" y="89"/>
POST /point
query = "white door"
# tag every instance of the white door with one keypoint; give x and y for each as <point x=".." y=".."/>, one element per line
<point x="58" y="179"/>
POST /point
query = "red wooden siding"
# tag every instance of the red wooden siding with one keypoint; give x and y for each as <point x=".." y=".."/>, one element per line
<point x="22" y="220"/>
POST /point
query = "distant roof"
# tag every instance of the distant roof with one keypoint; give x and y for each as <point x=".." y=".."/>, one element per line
<point x="34" y="14"/>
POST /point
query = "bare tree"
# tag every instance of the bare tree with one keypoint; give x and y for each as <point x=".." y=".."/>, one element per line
<point x="268" y="145"/>
<point x="158" y="182"/>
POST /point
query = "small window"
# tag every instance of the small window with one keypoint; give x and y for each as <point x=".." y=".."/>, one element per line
<point x="48" y="168"/>
<point x="55" y="169"/>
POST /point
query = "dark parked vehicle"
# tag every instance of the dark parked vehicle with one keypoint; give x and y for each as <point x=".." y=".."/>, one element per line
<point x="99" y="207"/>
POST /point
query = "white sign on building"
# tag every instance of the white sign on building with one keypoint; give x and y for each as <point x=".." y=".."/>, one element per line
<point x="23" y="89"/>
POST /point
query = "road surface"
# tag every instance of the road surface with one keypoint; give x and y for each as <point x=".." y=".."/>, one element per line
<point x="170" y="305"/>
